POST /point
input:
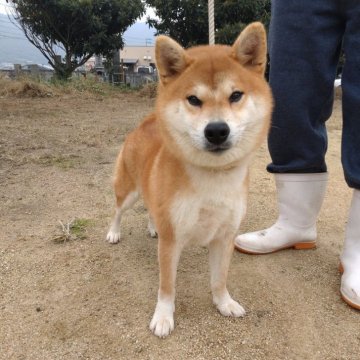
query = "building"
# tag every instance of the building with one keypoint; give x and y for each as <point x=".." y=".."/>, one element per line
<point x="131" y="56"/>
<point x="134" y="56"/>
<point x="44" y="72"/>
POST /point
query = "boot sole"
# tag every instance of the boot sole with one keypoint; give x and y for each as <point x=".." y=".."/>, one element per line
<point x="297" y="246"/>
<point x="349" y="302"/>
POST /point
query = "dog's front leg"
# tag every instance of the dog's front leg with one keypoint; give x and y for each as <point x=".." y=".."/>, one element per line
<point x="162" y="323"/>
<point x="220" y="252"/>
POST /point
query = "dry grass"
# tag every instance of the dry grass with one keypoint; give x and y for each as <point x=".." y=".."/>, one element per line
<point x="67" y="298"/>
<point x="149" y="90"/>
<point x="64" y="162"/>
<point x="28" y="87"/>
<point x="24" y="87"/>
<point x="89" y="85"/>
<point x="73" y="230"/>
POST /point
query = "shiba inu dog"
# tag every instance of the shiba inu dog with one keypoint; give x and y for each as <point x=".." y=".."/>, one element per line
<point x="189" y="159"/>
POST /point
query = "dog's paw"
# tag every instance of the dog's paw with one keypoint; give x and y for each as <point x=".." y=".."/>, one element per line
<point x="151" y="229"/>
<point x="231" y="308"/>
<point x="162" y="323"/>
<point x="153" y="233"/>
<point x="113" y="237"/>
<point x="162" y="326"/>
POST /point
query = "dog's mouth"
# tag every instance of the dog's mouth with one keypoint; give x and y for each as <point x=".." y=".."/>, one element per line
<point x="218" y="149"/>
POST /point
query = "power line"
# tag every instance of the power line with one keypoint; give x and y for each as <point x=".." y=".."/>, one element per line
<point x="12" y="37"/>
<point x="128" y="41"/>
<point x="134" y="37"/>
<point x="5" y="21"/>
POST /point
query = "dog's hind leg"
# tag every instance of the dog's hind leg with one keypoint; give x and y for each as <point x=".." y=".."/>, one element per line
<point x="126" y="196"/>
<point x="152" y="228"/>
<point x="113" y="236"/>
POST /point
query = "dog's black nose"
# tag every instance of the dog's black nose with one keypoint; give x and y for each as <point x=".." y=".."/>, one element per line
<point x="217" y="132"/>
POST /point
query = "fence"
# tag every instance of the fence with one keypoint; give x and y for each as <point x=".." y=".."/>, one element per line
<point x="28" y="70"/>
<point x="131" y="79"/>
<point x="138" y="80"/>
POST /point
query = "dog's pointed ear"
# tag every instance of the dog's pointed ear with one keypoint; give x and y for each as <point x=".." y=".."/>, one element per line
<point x="250" y="48"/>
<point x="171" y="58"/>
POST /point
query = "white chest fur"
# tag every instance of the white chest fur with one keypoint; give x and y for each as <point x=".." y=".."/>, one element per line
<point x="212" y="208"/>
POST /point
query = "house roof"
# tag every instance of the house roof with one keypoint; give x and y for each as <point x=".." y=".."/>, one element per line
<point x="130" y="61"/>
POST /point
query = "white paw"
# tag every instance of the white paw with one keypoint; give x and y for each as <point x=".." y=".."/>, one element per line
<point x="162" y="323"/>
<point x="231" y="308"/>
<point x="153" y="233"/>
<point x="113" y="237"/>
<point x="151" y="229"/>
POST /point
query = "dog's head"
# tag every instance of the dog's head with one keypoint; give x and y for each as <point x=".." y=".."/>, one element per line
<point x="213" y="104"/>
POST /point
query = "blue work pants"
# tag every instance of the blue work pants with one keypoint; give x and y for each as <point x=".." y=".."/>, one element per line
<point x="305" y="40"/>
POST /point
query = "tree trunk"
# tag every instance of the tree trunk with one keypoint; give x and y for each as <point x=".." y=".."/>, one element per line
<point x="63" y="71"/>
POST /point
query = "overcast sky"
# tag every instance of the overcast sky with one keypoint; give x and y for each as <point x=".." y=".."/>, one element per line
<point x="3" y="7"/>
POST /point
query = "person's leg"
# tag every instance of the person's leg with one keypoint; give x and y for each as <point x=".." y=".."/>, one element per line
<point x="304" y="44"/>
<point x="350" y="83"/>
<point x="305" y="40"/>
<point x="350" y="258"/>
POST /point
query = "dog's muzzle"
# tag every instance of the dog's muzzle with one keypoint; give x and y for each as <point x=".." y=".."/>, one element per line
<point x="216" y="134"/>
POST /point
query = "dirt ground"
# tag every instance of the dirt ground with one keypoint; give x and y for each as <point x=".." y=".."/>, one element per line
<point x="82" y="298"/>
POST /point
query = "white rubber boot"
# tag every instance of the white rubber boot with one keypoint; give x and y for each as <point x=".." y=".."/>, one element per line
<point x="350" y="258"/>
<point x="300" y="197"/>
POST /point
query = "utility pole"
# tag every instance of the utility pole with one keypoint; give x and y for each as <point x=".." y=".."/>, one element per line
<point x="211" y="22"/>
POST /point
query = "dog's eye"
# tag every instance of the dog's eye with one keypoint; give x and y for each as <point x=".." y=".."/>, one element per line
<point x="194" y="101"/>
<point x="235" y="96"/>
